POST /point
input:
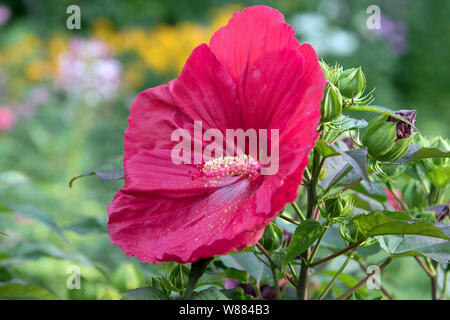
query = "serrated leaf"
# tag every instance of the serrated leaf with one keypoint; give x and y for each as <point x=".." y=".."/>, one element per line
<point x="306" y="233"/>
<point x="110" y="170"/>
<point x="416" y="152"/>
<point x="379" y="223"/>
<point x="144" y="294"/>
<point x="19" y="291"/>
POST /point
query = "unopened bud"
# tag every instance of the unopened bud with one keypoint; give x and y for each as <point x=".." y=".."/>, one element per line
<point x="387" y="138"/>
<point x="351" y="83"/>
<point x="272" y="237"/>
<point x="331" y="105"/>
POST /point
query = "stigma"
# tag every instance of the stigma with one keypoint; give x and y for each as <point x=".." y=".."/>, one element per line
<point x="242" y="165"/>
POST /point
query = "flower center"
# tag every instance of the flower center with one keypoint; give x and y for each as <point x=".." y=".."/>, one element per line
<point x="231" y="166"/>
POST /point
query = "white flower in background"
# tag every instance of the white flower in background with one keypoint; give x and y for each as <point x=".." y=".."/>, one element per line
<point x="89" y="71"/>
<point x="314" y="28"/>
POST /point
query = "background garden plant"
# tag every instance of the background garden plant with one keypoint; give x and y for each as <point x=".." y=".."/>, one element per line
<point x="350" y="198"/>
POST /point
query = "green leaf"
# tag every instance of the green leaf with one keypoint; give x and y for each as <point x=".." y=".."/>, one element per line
<point x="239" y="275"/>
<point x="434" y="248"/>
<point x="236" y="294"/>
<point x="212" y="293"/>
<point x="307" y="232"/>
<point x="416" y="152"/>
<point x="379" y="223"/>
<point x="21" y="291"/>
<point x="325" y="149"/>
<point x="35" y="214"/>
<point x="144" y="294"/>
<point x="110" y="170"/>
<point x="248" y="262"/>
<point x="87" y="226"/>
<point x="378" y="109"/>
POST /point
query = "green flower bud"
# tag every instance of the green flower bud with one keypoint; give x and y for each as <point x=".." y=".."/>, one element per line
<point x="351" y="234"/>
<point x="179" y="277"/>
<point x="351" y="83"/>
<point x="337" y="209"/>
<point x="272" y="237"/>
<point x="387" y="139"/>
<point x="331" y="105"/>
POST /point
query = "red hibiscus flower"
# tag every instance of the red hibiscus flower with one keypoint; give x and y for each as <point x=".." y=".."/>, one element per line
<point x="253" y="75"/>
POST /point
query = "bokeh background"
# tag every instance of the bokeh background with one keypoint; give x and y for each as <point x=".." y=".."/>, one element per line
<point x="65" y="97"/>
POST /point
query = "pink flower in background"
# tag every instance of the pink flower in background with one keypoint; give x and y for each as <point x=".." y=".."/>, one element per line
<point x="5" y="14"/>
<point x="88" y="70"/>
<point x="392" y="201"/>
<point x="253" y="75"/>
<point x="8" y="119"/>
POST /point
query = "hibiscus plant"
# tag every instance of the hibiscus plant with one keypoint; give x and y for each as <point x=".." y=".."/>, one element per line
<point x="261" y="172"/>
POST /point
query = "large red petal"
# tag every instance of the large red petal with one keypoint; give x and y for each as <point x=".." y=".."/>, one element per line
<point x="153" y="117"/>
<point x="263" y="55"/>
<point x="206" y="91"/>
<point x="157" y="229"/>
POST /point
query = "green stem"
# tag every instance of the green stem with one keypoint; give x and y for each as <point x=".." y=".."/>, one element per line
<point x="197" y="269"/>
<point x="275" y="280"/>
<point x="298" y="211"/>
<point x="319" y="241"/>
<point x="302" y="287"/>
<point x="341" y="269"/>
<point x="444" y="285"/>
<point x="361" y="283"/>
<point x="434" y="282"/>
<point x="337" y="254"/>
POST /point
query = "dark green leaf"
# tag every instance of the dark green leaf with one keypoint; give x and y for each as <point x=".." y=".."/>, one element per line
<point x="144" y="294"/>
<point x="378" y="109"/>
<point x="307" y="232"/>
<point x="212" y="293"/>
<point x="325" y="149"/>
<point x="111" y="170"/>
<point x="416" y="152"/>
<point x="383" y="223"/>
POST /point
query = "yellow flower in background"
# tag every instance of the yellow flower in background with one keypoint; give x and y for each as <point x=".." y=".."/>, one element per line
<point x="38" y="71"/>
